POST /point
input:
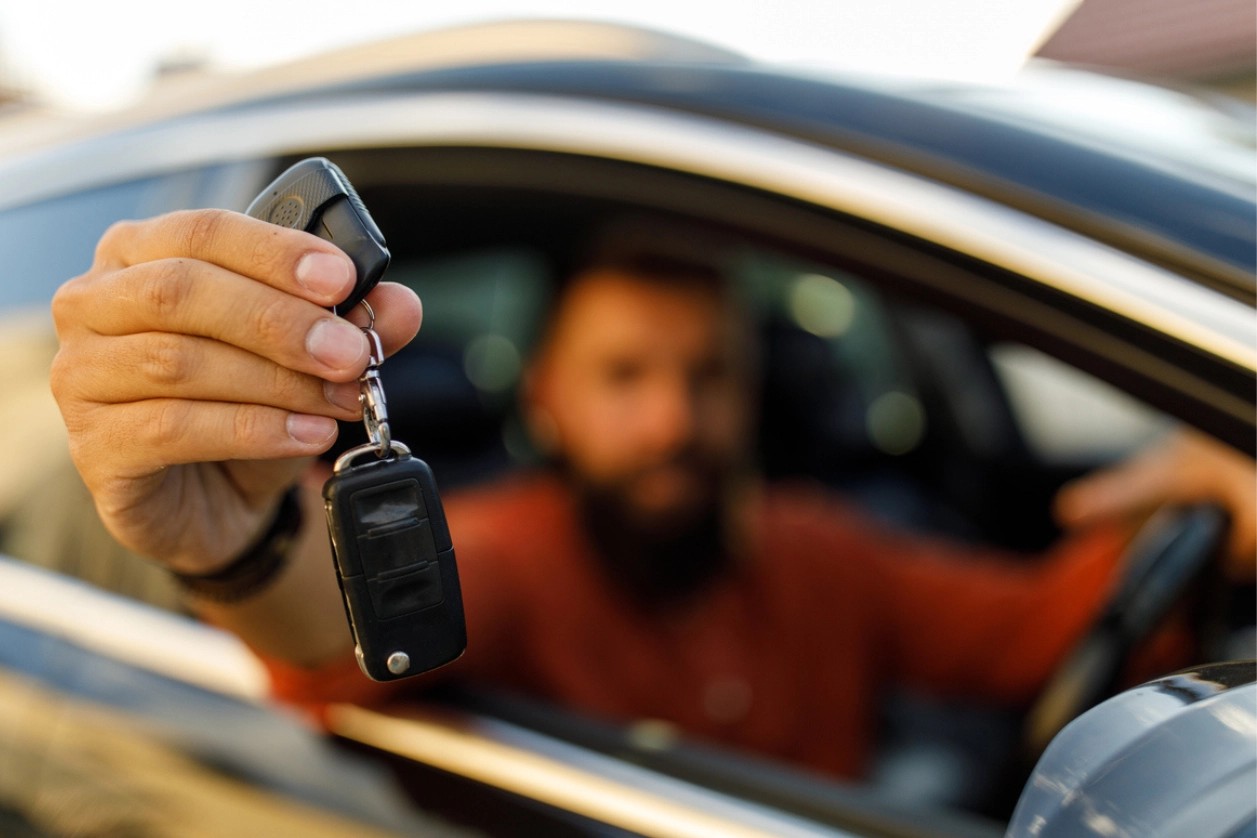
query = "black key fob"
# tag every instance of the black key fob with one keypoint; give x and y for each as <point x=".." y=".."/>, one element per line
<point x="393" y="555"/>
<point x="314" y="195"/>
<point x="395" y="563"/>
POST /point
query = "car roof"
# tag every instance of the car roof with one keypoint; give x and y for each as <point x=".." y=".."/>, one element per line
<point x="1160" y="203"/>
<point x="1036" y="145"/>
<point x="498" y="42"/>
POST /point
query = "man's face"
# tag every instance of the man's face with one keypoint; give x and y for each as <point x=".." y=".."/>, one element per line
<point x="646" y="385"/>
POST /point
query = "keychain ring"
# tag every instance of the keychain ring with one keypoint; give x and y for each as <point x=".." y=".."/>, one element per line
<point x="375" y="414"/>
<point x="346" y="460"/>
<point x="371" y="396"/>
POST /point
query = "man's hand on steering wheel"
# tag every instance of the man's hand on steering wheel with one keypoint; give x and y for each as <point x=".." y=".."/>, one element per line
<point x="1188" y="468"/>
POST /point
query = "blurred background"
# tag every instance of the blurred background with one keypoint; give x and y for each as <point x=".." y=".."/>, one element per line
<point x="59" y="58"/>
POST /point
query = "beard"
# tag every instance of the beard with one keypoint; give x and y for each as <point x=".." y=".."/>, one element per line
<point x="658" y="558"/>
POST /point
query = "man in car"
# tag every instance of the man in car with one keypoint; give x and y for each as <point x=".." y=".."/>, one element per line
<point x="647" y="573"/>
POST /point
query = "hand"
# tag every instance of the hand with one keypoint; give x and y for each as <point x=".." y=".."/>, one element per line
<point x="199" y="372"/>
<point x="1186" y="468"/>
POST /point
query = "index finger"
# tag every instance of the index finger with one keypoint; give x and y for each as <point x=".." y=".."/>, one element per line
<point x="293" y="261"/>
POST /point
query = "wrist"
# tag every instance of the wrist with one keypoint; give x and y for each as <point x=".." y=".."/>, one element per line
<point x="259" y="565"/>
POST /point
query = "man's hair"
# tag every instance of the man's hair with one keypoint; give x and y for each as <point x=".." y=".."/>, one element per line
<point x="655" y="250"/>
<point x="658" y="246"/>
<point x="653" y="266"/>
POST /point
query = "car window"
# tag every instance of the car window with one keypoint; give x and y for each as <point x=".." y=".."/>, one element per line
<point x="899" y="405"/>
<point x="44" y="243"/>
<point x="1067" y="416"/>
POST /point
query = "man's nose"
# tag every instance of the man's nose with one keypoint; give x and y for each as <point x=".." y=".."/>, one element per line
<point x="670" y="415"/>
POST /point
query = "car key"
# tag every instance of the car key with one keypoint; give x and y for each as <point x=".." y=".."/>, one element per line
<point x="395" y="563"/>
<point x="392" y="552"/>
<point x="314" y="195"/>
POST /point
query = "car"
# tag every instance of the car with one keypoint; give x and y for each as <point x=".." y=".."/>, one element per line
<point x="967" y="294"/>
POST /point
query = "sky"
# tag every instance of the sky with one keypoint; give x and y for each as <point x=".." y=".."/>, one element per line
<point x="88" y="55"/>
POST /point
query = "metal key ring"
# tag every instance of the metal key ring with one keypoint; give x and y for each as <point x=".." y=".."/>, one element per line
<point x="375" y="413"/>
<point x="344" y="461"/>
<point x="371" y="396"/>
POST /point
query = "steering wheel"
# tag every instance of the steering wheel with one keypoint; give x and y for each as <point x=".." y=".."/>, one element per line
<point x="1165" y="558"/>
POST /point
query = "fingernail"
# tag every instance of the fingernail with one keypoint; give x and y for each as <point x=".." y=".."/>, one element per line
<point x="344" y="396"/>
<point x="310" y="430"/>
<point x="325" y="274"/>
<point x="336" y="343"/>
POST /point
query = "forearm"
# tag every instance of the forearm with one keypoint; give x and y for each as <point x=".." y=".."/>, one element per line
<point x="298" y="617"/>
<point x="996" y="625"/>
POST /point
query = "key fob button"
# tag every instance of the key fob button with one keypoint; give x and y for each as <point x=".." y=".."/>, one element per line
<point x="400" y="546"/>
<point x="389" y="504"/>
<point x="393" y="596"/>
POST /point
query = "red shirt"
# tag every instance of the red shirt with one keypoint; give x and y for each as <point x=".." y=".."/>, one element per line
<point x="786" y="656"/>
